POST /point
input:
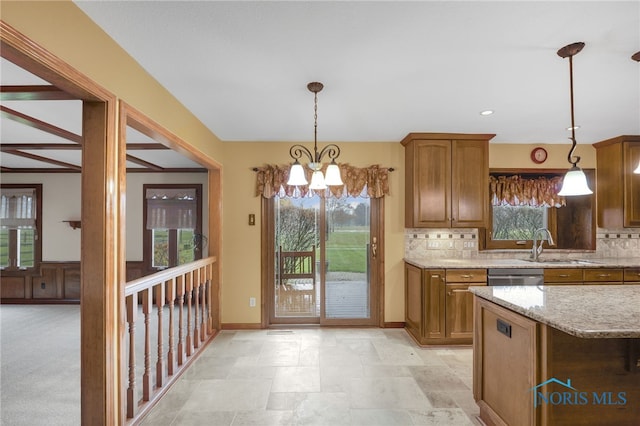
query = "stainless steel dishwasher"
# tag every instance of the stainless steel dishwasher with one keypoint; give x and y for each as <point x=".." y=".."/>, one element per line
<point x="515" y="276"/>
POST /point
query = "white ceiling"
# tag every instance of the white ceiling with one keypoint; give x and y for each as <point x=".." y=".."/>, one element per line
<point x="389" y="68"/>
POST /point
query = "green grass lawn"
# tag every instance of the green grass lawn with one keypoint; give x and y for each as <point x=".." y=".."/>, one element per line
<point x="346" y="251"/>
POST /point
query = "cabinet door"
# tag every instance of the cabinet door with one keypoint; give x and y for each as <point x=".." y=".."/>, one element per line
<point x="413" y="299"/>
<point x="632" y="275"/>
<point x="431" y="183"/>
<point x="470" y="180"/>
<point x="631" y="155"/>
<point x="434" y="325"/>
<point x="459" y="308"/>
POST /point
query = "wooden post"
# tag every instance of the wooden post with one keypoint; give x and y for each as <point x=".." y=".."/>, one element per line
<point x="100" y="266"/>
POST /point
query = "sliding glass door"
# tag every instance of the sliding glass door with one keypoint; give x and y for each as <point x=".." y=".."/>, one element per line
<point x="324" y="253"/>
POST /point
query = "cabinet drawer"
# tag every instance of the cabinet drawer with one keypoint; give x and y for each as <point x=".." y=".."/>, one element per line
<point x="466" y="275"/>
<point x="603" y="275"/>
<point x="632" y="275"/>
<point x="568" y="275"/>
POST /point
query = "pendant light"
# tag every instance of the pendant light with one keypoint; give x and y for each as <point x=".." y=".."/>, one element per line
<point x="636" y="57"/>
<point x="574" y="182"/>
<point x="332" y="151"/>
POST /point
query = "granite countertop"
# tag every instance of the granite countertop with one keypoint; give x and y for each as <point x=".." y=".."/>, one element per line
<point x="545" y="262"/>
<point x="594" y="311"/>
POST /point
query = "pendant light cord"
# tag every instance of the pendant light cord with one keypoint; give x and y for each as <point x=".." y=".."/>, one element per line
<point x="570" y="156"/>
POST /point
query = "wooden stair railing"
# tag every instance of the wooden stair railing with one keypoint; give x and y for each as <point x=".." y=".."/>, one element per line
<point x="147" y="299"/>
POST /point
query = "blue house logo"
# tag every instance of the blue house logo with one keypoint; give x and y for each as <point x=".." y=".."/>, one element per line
<point x="571" y="396"/>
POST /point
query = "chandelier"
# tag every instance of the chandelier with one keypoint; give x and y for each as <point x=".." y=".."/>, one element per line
<point x="574" y="182"/>
<point x="332" y="151"/>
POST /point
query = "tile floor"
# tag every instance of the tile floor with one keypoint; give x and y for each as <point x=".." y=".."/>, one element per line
<point x="321" y="376"/>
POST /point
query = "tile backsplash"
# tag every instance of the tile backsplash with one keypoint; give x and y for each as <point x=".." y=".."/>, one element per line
<point x="461" y="243"/>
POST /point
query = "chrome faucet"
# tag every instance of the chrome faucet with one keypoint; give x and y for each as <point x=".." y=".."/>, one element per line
<point x="537" y="251"/>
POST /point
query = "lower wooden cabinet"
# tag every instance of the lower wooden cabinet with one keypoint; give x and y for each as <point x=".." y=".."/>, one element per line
<point x="631" y="276"/>
<point x="438" y="304"/>
<point x="459" y="301"/>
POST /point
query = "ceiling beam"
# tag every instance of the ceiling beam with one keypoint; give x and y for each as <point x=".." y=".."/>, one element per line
<point x="69" y="146"/>
<point x="144" y="163"/>
<point x="39" y="124"/>
<point x="43" y="159"/>
<point x="34" y="93"/>
<point x="5" y="147"/>
<point x="129" y="170"/>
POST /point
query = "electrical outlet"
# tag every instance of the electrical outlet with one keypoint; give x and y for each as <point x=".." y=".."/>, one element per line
<point x="252" y="302"/>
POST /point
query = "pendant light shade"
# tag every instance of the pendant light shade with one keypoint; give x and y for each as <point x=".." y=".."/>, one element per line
<point x="317" y="181"/>
<point x="332" y="151"/>
<point x="575" y="181"/>
<point x="332" y="176"/>
<point x="296" y="175"/>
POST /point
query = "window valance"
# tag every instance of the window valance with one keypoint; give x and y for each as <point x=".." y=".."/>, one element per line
<point x="518" y="191"/>
<point x="171" y="208"/>
<point x="372" y="182"/>
<point x="17" y="208"/>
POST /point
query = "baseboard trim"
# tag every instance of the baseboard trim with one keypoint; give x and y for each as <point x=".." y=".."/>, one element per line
<point x="397" y="324"/>
<point x="241" y="326"/>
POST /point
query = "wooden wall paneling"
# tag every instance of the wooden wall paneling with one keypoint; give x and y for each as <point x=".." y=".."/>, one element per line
<point x="49" y="280"/>
<point x="71" y="283"/>
<point x="12" y="288"/>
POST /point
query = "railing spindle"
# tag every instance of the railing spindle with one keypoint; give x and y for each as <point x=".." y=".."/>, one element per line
<point x="171" y="297"/>
<point x="132" y="310"/>
<point x="159" y="291"/>
<point x="180" y="284"/>
<point x="147" y="306"/>
<point x="196" y="299"/>
<point x="189" y="290"/>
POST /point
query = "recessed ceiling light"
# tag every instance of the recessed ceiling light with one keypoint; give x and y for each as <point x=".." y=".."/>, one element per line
<point x="573" y="128"/>
<point x="486" y="112"/>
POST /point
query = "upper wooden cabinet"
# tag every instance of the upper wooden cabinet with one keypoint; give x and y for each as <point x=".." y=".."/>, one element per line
<point x="617" y="187"/>
<point x="446" y="180"/>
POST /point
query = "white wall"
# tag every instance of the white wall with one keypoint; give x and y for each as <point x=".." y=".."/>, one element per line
<point x="61" y="201"/>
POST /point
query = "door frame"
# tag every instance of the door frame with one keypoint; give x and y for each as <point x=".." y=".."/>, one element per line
<point x="267" y="268"/>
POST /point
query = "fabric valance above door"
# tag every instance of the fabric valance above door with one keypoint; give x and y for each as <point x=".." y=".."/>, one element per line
<point x="372" y="182"/>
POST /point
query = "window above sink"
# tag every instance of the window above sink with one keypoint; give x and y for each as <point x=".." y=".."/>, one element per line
<point x="513" y="220"/>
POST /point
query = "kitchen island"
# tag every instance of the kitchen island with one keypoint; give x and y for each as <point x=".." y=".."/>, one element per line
<point x="557" y="355"/>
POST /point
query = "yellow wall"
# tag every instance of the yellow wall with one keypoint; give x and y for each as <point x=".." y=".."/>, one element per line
<point x="505" y="156"/>
<point x="242" y="242"/>
<point x="64" y="30"/>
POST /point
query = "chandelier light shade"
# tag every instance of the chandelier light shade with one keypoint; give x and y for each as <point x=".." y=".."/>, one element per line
<point x="575" y="181"/>
<point x="319" y="180"/>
